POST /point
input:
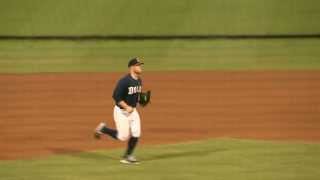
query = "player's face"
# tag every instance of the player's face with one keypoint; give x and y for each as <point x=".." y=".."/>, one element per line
<point x="137" y="69"/>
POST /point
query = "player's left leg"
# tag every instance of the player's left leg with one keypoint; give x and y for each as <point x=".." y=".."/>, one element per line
<point x="135" y="129"/>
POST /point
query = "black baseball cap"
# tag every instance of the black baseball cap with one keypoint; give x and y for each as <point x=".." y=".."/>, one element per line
<point x="134" y="62"/>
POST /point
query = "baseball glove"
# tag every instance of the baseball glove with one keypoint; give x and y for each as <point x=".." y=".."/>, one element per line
<point x="144" y="98"/>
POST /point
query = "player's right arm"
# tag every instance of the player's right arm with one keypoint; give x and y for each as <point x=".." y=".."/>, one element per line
<point x="125" y="106"/>
<point x="119" y="95"/>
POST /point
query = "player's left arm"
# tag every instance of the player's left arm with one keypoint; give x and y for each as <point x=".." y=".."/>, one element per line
<point x="144" y="98"/>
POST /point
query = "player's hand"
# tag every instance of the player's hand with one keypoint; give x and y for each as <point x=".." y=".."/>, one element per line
<point x="129" y="109"/>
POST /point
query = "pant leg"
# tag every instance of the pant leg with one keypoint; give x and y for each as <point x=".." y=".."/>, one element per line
<point x="121" y="119"/>
<point x="135" y="130"/>
<point x="135" y="124"/>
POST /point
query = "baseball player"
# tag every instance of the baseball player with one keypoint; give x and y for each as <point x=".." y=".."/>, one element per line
<point x="126" y="95"/>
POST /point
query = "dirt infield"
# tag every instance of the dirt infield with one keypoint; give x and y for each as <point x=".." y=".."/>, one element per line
<point x="44" y="114"/>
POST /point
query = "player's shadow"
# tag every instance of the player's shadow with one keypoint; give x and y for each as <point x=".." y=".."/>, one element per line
<point x="81" y="154"/>
<point x="171" y="155"/>
<point x="153" y="157"/>
<point x="94" y="156"/>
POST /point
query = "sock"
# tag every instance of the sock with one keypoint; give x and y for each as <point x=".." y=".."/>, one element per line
<point x="133" y="141"/>
<point x="111" y="132"/>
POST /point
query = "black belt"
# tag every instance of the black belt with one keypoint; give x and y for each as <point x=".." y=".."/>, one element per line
<point x="122" y="107"/>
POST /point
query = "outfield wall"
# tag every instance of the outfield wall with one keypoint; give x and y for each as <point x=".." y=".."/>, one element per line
<point x="165" y="17"/>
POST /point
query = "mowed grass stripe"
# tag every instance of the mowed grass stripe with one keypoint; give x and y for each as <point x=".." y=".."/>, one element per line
<point x="166" y="17"/>
<point x="112" y="56"/>
<point x="223" y="159"/>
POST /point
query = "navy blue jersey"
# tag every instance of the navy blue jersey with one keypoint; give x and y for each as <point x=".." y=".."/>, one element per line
<point x="127" y="90"/>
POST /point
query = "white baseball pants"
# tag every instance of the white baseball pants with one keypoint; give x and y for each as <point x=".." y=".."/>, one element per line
<point x="127" y="124"/>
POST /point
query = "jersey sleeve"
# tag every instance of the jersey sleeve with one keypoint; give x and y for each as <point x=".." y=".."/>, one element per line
<point x="120" y="91"/>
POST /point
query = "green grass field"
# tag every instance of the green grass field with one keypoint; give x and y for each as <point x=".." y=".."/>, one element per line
<point x="166" y="17"/>
<point x="221" y="159"/>
<point x="109" y="56"/>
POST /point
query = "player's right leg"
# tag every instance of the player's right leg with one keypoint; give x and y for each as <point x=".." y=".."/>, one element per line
<point x="103" y="129"/>
<point x="121" y="118"/>
<point x="122" y="123"/>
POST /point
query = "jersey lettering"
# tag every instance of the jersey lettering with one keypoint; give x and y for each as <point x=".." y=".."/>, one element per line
<point x="133" y="90"/>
